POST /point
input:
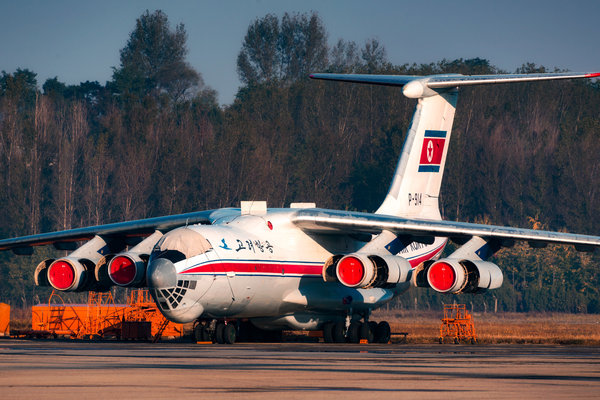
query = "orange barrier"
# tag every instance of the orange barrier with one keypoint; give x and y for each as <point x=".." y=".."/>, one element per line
<point x="457" y="324"/>
<point x="101" y="317"/>
<point x="4" y="319"/>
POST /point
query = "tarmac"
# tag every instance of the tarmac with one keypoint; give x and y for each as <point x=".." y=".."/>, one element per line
<point x="55" y="369"/>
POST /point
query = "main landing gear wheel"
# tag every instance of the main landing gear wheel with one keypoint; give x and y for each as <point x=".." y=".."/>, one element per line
<point x="328" y="332"/>
<point x="366" y="332"/>
<point x="373" y="326"/>
<point x="219" y="333"/>
<point x="383" y="333"/>
<point x="354" y="332"/>
<point x="338" y="332"/>
<point x="229" y="334"/>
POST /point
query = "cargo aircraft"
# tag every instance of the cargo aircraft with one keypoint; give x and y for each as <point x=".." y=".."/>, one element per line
<point x="305" y="267"/>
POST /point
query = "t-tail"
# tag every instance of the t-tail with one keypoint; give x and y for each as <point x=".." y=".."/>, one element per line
<point x="415" y="188"/>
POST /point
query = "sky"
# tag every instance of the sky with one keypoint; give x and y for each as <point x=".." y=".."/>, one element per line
<point x="79" y="40"/>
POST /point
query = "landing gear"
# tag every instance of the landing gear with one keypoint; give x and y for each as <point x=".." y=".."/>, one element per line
<point x="219" y="333"/>
<point x="229" y="334"/>
<point x="215" y="331"/>
<point x="372" y="332"/>
<point x="354" y="332"/>
<point x="328" y="332"/>
<point x="201" y="332"/>
<point x="373" y="326"/>
<point x="366" y="332"/>
<point x="383" y="332"/>
<point x="339" y="332"/>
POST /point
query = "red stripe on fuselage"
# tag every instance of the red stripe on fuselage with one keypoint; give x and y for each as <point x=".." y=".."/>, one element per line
<point x="250" y="267"/>
<point x="416" y="261"/>
<point x="255" y="268"/>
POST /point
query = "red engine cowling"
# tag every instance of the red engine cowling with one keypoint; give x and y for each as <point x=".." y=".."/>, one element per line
<point x="128" y="269"/>
<point x="70" y="274"/>
<point x="366" y="271"/>
<point x="463" y="276"/>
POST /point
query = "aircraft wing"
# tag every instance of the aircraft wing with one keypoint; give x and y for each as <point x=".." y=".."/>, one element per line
<point x="129" y="229"/>
<point x="332" y="221"/>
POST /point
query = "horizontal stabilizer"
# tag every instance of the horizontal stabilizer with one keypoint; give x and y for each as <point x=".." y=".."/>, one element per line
<point x="415" y="86"/>
<point x="449" y="81"/>
<point x="386" y="80"/>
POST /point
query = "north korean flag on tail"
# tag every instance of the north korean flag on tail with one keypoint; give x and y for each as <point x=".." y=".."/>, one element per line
<point x="432" y="151"/>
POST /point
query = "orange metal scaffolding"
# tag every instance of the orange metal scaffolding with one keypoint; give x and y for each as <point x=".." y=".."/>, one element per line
<point x="457" y="324"/>
<point x="101" y="317"/>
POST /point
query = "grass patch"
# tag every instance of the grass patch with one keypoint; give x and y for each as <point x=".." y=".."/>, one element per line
<point x="530" y="328"/>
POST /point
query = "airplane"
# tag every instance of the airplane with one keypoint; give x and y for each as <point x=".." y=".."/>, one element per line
<point x="253" y="269"/>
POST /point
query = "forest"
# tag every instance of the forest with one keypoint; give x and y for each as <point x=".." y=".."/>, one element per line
<point x="154" y="141"/>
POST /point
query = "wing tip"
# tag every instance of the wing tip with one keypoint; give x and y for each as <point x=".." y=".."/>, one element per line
<point x="592" y="75"/>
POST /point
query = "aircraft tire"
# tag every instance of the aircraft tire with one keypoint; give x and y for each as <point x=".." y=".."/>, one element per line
<point x="383" y="333"/>
<point x="229" y="334"/>
<point x="205" y="334"/>
<point x="219" y="333"/>
<point x="354" y="332"/>
<point x="328" y="332"/>
<point x="198" y="333"/>
<point x="373" y="325"/>
<point x="366" y="332"/>
<point x="339" y="332"/>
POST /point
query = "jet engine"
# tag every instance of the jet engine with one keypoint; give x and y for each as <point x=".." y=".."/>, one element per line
<point x="67" y="274"/>
<point x="463" y="276"/>
<point x="364" y="271"/>
<point x="128" y="269"/>
<point x="74" y="273"/>
<point x="70" y="274"/>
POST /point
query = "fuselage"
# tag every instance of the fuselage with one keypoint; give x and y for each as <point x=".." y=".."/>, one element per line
<point x="262" y="267"/>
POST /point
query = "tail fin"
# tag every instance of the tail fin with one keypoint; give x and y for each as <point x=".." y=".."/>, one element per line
<point x="415" y="188"/>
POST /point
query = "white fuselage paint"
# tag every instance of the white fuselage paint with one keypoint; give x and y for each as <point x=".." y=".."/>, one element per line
<point x="255" y="271"/>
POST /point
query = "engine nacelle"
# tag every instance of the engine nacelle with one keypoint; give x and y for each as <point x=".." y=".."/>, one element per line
<point x="75" y="273"/>
<point x="364" y="271"/>
<point x="463" y="276"/>
<point x="40" y="276"/>
<point x="69" y="274"/>
<point x="128" y="269"/>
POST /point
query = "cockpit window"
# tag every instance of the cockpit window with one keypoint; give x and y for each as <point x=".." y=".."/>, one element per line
<point x="172" y="255"/>
<point x="180" y="244"/>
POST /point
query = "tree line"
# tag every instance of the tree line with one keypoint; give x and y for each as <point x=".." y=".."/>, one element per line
<point x="154" y="141"/>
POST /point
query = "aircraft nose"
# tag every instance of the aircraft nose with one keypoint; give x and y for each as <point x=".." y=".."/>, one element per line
<point x="161" y="274"/>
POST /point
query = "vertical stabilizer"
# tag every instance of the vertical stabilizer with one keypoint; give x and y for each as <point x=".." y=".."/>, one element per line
<point x="415" y="188"/>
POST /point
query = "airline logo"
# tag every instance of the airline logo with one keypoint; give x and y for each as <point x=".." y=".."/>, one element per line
<point x="432" y="151"/>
